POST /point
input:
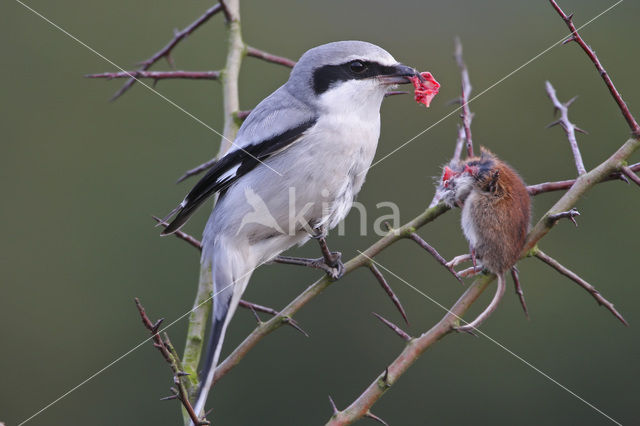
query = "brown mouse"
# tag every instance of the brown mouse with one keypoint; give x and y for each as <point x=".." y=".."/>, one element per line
<point x="496" y="211"/>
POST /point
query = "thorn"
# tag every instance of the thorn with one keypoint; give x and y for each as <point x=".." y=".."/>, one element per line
<point x="570" y="101"/>
<point x="293" y="323"/>
<point x="393" y="327"/>
<point x="571" y="214"/>
<point x="155" y="83"/>
<point x="385" y="286"/>
<point x="555" y="123"/>
<point x="255" y="314"/>
<point x="182" y="374"/>
<point x="333" y="406"/>
<point x="570" y="17"/>
<point x="385" y="377"/>
<point x="156" y="326"/>
<point x="454" y="101"/>
<point x="516" y="281"/>
<point x="170" y="60"/>
<point x="174" y="395"/>
<point x="579" y="130"/>
<point x="376" y="418"/>
<point x="422" y="243"/>
<point x="569" y="40"/>
<point x="623" y="178"/>
<point x="169" y="398"/>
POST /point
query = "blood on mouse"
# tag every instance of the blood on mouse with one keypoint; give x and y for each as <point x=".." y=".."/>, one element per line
<point x="425" y="88"/>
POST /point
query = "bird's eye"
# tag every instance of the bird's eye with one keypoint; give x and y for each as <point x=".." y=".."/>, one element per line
<point x="357" y="67"/>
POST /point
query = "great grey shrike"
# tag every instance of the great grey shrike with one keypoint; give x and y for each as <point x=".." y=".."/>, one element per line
<point x="297" y="163"/>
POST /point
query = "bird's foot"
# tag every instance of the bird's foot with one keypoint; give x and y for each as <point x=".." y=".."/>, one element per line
<point x="332" y="265"/>
<point x="334" y="269"/>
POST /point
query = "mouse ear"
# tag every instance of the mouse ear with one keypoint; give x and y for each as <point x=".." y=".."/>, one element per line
<point x="485" y="153"/>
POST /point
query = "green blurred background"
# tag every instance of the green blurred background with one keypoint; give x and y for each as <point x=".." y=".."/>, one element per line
<point x="80" y="177"/>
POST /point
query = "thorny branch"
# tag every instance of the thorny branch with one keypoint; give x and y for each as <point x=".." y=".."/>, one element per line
<point x="613" y="168"/>
<point x="582" y="283"/>
<point x="171" y="357"/>
<point x="569" y="128"/>
<point x="414" y="348"/>
<point x="165" y="52"/>
<point x="466" y="115"/>
<point x="159" y="75"/>
<point x="568" y="19"/>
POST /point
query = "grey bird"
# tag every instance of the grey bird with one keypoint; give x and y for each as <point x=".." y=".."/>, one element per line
<point x="297" y="163"/>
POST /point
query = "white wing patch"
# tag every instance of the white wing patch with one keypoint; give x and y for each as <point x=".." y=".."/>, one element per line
<point x="229" y="174"/>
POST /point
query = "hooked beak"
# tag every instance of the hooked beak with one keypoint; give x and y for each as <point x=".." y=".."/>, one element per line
<point x="400" y="75"/>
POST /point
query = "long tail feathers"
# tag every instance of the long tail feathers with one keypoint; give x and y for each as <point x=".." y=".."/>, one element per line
<point x="231" y="274"/>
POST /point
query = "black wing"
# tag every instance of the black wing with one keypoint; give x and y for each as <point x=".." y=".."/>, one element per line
<point x="229" y="169"/>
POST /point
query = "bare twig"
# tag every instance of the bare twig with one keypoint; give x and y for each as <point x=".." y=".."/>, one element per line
<point x="630" y="173"/>
<point x="411" y="352"/>
<point x="569" y="128"/>
<point x="385" y="286"/>
<point x="464" y="97"/>
<point x="582" y="283"/>
<point x="569" y="214"/>
<point x="159" y="75"/>
<point x="566" y="184"/>
<point x="516" y="282"/>
<point x="255" y="307"/>
<point x="400" y="332"/>
<point x="265" y="56"/>
<point x="433" y="252"/>
<point x="568" y="19"/>
<point x="169" y="354"/>
<point x="165" y="52"/>
<point x="179" y="234"/>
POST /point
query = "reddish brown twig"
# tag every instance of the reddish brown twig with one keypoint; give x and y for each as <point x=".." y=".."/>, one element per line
<point x="433" y="252"/>
<point x="582" y="283"/>
<point x="255" y="307"/>
<point x="171" y="357"/>
<point x="566" y="184"/>
<point x="265" y="56"/>
<point x="630" y="173"/>
<point x="568" y="19"/>
<point x="387" y="288"/>
<point x="159" y="75"/>
<point x="181" y="235"/>
<point x="516" y="282"/>
<point x="464" y="97"/>
<point x="569" y="214"/>
<point x="570" y="129"/>
<point x="400" y="332"/>
<point x="165" y="52"/>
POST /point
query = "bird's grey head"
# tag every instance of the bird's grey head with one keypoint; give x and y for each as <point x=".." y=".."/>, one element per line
<point x="346" y="74"/>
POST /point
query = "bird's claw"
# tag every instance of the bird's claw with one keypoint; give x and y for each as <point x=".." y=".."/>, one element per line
<point x="332" y="265"/>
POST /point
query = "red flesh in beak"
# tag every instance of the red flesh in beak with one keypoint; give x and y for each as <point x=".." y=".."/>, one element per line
<point x="425" y="88"/>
